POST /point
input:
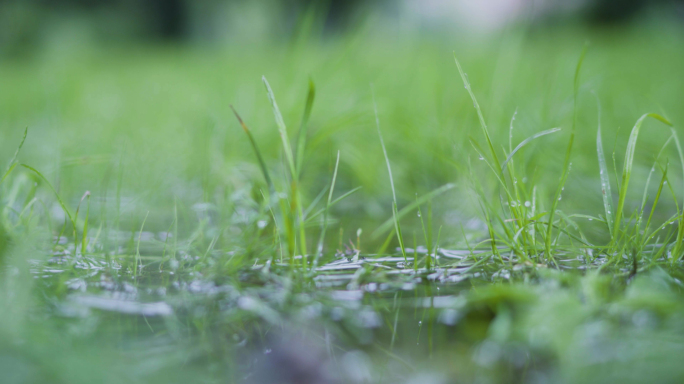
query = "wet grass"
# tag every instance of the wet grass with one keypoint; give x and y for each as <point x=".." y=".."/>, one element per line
<point x="397" y="236"/>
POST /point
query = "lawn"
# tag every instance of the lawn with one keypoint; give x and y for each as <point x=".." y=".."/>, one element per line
<point x="381" y="205"/>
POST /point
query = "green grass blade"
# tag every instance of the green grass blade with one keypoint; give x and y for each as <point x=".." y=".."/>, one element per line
<point x="650" y="173"/>
<point x="257" y="152"/>
<point x="397" y="227"/>
<point x="86" y="195"/>
<point x="387" y="225"/>
<point x="566" y="164"/>
<point x="604" y="176"/>
<point x="13" y="163"/>
<point x="137" y="248"/>
<point x="301" y="135"/>
<point x="627" y="168"/>
<point x="655" y="201"/>
<point x="319" y="212"/>
<point x="282" y="128"/>
<point x="483" y="125"/>
<point x="324" y="226"/>
<point x="59" y="199"/>
<point x="680" y="231"/>
<point x="525" y="142"/>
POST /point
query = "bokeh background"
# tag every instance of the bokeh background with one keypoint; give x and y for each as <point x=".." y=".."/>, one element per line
<point x="130" y="99"/>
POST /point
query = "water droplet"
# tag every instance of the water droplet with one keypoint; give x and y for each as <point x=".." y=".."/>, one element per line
<point x="481" y="158"/>
<point x="559" y="198"/>
<point x="528" y="204"/>
<point x="418" y="213"/>
<point x="420" y="322"/>
<point x="590" y="219"/>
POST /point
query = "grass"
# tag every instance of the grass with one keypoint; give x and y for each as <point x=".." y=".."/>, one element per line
<point x="206" y="254"/>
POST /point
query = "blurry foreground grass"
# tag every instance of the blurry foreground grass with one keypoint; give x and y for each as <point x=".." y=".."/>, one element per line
<point x="190" y="261"/>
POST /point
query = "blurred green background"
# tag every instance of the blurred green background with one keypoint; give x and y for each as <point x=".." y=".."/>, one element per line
<point x="134" y="97"/>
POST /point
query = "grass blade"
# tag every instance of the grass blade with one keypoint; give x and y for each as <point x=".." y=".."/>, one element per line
<point x="566" y="164"/>
<point x="324" y="226"/>
<point x="59" y="199"/>
<point x="525" y="142"/>
<point x="604" y="175"/>
<point x="387" y="225"/>
<point x="397" y="227"/>
<point x="483" y="125"/>
<point x="13" y="163"/>
<point x="282" y="129"/>
<point x="627" y="168"/>
<point x="257" y="152"/>
<point x="301" y="135"/>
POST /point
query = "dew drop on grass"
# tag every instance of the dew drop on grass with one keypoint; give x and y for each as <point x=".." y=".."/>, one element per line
<point x="528" y="204"/>
<point x="418" y="213"/>
<point x="481" y="157"/>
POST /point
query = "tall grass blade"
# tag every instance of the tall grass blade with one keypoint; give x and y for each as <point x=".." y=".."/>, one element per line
<point x="397" y="227"/>
<point x="680" y="231"/>
<point x="295" y="205"/>
<point x="324" y="226"/>
<point x="525" y="142"/>
<point x="604" y="175"/>
<point x="282" y="128"/>
<point x="483" y="125"/>
<point x="86" y="195"/>
<point x="627" y="169"/>
<point x="13" y="163"/>
<point x="566" y="164"/>
<point x="257" y="152"/>
<point x="303" y="128"/>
